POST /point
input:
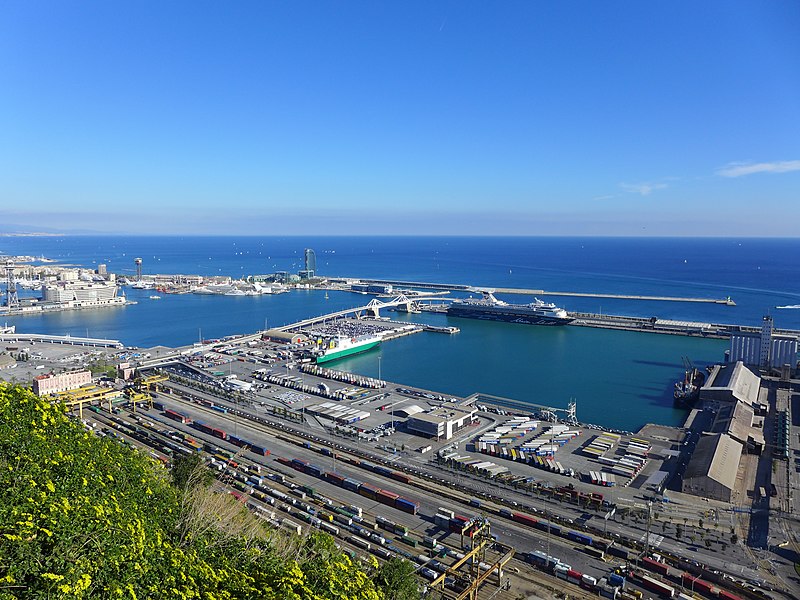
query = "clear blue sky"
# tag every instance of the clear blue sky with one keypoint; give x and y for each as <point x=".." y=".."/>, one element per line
<point x="536" y="118"/>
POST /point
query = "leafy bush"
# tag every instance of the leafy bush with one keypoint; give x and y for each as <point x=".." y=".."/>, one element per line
<point x="86" y="517"/>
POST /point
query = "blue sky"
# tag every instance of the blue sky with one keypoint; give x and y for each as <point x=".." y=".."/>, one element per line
<point x="532" y="118"/>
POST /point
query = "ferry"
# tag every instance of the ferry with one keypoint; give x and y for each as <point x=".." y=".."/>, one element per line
<point x="490" y="308"/>
<point x="341" y="346"/>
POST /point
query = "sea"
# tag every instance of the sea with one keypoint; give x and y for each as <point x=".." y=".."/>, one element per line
<point x="618" y="379"/>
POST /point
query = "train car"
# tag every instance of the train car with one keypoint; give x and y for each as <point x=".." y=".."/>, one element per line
<point x="619" y="552"/>
<point x="385" y="523"/>
<point x="574" y="576"/>
<point x="725" y="595"/>
<point x="601" y="543"/>
<point x="299" y="465"/>
<point x="327" y="527"/>
<point x="655" y="566"/>
<point x="343" y="519"/>
<point x="695" y="584"/>
<point x="662" y="589"/>
<point x="524" y="519"/>
<point x="351" y="484"/>
<point x="581" y="538"/>
<point x="382" y="552"/>
<point x="594" y="552"/>
<point x="408" y="541"/>
<point x="361" y="543"/>
<point x="284" y="461"/>
<point x="402" y="477"/>
<point x="406" y="506"/>
<point x="382" y="471"/>
<point x="368" y="491"/>
<point x="176" y="416"/>
<point x="386" y="497"/>
<point x="260" y="450"/>
<point x="334" y="478"/>
<point x="314" y="470"/>
<point x="220" y="433"/>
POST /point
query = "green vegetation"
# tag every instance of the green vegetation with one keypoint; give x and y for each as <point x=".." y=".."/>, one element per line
<point x="101" y="367"/>
<point x="86" y="517"/>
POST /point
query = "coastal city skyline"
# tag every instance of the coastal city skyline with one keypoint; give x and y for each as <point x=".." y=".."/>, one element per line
<point x="440" y="119"/>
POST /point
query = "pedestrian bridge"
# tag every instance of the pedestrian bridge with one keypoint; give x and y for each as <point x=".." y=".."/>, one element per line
<point x="368" y="310"/>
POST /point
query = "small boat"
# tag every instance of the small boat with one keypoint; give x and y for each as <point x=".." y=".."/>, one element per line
<point x="154" y="297"/>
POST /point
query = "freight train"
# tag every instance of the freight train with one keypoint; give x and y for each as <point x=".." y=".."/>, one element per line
<point x="383" y="496"/>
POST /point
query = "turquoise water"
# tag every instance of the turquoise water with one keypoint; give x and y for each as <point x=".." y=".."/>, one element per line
<point x="619" y="379"/>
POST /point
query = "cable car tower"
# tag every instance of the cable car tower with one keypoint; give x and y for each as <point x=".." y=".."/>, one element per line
<point x="12" y="299"/>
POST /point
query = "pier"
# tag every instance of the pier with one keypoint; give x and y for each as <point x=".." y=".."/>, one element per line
<point x="59" y="339"/>
<point x="531" y="292"/>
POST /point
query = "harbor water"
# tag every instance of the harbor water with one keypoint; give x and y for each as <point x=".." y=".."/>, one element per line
<point x="619" y="379"/>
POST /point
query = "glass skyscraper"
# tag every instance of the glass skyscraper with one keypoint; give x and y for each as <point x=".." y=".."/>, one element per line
<point x="310" y="262"/>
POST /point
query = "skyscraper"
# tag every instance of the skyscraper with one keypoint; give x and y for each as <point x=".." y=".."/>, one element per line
<point x="310" y="262"/>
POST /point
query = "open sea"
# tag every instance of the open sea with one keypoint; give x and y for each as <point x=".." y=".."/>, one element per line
<point x="619" y="379"/>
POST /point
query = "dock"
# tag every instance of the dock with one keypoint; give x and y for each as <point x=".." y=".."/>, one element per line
<point x="531" y="292"/>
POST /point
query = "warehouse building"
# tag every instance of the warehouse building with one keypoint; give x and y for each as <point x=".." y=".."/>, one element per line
<point x="711" y="472"/>
<point x="441" y="423"/>
<point x="731" y="382"/>
<point x="739" y="421"/>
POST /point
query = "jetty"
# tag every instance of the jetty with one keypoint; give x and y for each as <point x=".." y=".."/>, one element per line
<point x="528" y="292"/>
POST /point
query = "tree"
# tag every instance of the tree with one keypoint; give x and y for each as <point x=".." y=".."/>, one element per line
<point x="188" y="470"/>
<point x="395" y="578"/>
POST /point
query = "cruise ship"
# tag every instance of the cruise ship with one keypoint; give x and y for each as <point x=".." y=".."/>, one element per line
<point x="341" y="346"/>
<point x="491" y="309"/>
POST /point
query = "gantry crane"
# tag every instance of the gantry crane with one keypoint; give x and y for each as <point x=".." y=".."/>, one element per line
<point x="478" y="570"/>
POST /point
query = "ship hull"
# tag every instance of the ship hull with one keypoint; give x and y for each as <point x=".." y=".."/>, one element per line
<point x="337" y="354"/>
<point x="508" y="317"/>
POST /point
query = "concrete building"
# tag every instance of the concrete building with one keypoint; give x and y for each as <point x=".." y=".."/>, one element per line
<point x="276" y="335"/>
<point x="441" y="423"/>
<point x="766" y="349"/>
<point x="738" y="420"/>
<point x="712" y="470"/>
<point x="730" y="383"/>
<point x="50" y="384"/>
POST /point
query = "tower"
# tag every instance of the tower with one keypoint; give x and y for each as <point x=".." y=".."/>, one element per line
<point x="138" y="263"/>
<point x="12" y="300"/>
<point x="766" y="342"/>
<point x="310" y="262"/>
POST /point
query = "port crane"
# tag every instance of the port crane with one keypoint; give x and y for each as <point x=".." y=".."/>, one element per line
<point x="477" y="571"/>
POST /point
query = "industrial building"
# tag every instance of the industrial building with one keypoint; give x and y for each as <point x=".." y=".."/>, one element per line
<point x="44" y="385"/>
<point x="441" y="423"/>
<point x="711" y="472"/>
<point x="738" y="420"/>
<point x="766" y="349"/>
<point x="278" y="335"/>
<point x="731" y="382"/>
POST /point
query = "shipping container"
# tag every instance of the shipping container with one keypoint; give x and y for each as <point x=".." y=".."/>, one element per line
<point x="662" y="589"/>
<point x="406" y="506"/>
<point x="655" y="566"/>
